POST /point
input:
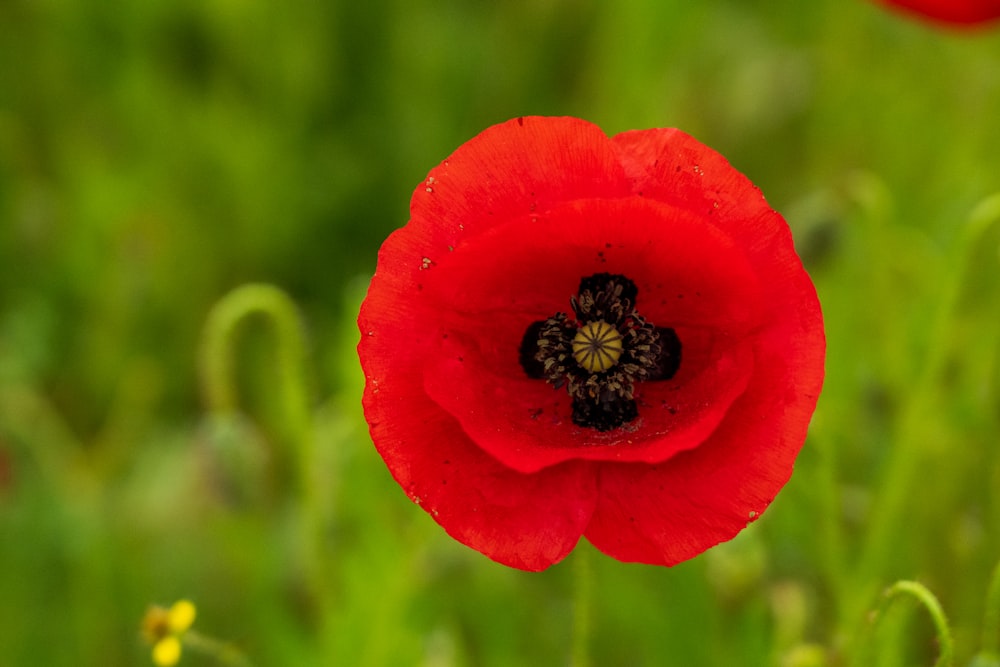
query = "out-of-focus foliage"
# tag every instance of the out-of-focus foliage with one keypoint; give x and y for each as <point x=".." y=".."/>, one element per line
<point x="156" y="155"/>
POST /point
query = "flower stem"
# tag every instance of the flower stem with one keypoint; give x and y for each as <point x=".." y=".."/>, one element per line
<point x="217" y="365"/>
<point x="217" y="357"/>
<point x="583" y="593"/>
<point x="913" y="452"/>
<point x="991" y="619"/>
<point x="829" y="526"/>
<point x="946" y="644"/>
<point x="219" y="377"/>
<point x="224" y="652"/>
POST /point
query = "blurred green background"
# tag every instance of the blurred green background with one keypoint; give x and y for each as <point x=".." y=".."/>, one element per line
<point x="156" y="155"/>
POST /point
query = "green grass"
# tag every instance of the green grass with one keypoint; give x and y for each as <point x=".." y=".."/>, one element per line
<point x="155" y="156"/>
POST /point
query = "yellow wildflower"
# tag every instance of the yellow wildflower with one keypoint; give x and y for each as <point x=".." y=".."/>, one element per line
<point x="165" y="628"/>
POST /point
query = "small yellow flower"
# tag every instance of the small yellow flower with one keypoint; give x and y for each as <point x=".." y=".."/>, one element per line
<point x="165" y="628"/>
<point x="167" y="651"/>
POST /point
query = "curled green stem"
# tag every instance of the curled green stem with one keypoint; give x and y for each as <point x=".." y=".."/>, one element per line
<point x="219" y="344"/>
<point x="916" y="590"/>
<point x="218" y="374"/>
<point x="218" y="365"/>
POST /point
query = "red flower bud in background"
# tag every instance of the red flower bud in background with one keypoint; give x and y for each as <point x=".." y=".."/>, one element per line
<point x="965" y="12"/>
<point x="578" y="335"/>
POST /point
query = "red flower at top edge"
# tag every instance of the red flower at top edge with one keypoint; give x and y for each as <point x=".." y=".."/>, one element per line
<point x="966" y="12"/>
<point x="578" y="335"/>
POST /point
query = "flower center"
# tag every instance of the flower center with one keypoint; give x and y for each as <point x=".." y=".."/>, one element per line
<point x="597" y="346"/>
<point x="601" y="353"/>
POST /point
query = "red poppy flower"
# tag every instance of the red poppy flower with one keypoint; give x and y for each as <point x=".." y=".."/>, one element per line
<point x="578" y="335"/>
<point x="951" y="11"/>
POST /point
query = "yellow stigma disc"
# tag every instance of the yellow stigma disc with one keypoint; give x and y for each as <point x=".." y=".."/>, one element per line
<point x="597" y="346"/>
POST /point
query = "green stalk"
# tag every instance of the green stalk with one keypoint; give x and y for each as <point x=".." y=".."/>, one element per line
<point x="912" y="452"/>
<point x="583" y="594"/>
<point x="916" y="590"/>
<point x="218" y="376"/>
<point x="991" y="618"/>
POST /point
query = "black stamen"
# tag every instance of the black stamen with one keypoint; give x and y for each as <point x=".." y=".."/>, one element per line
<point x="602" y="281"/>
<point x="669" y="359"/>
<point x="631" y="350"/>
<point x="529" y="348"/>
<point x="604" y="416"/>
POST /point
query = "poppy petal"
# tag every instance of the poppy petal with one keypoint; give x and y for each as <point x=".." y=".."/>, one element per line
<point x="523" y="521"/>
<point x="488" y="293"/>
<point x="671" y="166"/>
<point x="669" y="513"/>
<point x="510" y="170"/>
<point x="664" y="514"/>
<point x="966" y="12"/>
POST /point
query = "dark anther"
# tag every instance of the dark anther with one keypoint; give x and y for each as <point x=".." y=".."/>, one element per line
<point x="529" y="348"/>
<point x="604" y="416"/>
<point x="669" y="360"/>
<point x="601" y="352"/>
<point x="608" y="281"/>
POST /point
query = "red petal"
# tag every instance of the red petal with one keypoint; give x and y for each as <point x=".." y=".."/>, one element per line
<point x="951" y="11"/>
<point x="673" y="167"/>
<point x="524" y="521"/>
<point x="510" y="169"/>
<point x="667" y="513"/>
<point x="490" y="289"/>
<point x="507" y="171"/>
